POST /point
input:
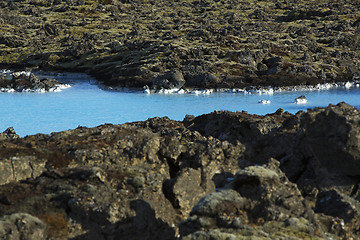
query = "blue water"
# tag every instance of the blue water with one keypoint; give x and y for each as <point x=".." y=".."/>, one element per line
<point x="85" y="104"/>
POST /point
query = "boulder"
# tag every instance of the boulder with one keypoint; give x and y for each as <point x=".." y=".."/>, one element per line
<point x="338" y="212"/>
<point x="22" y="226"/>
<point x="224" y="200"/>
<point x="209" y="211"/>
<point x="257" y="194"/>
<point x="18" y="168"/>
<point x="269" y="187"/>
<point x="333" y="135"/>
<point x="337" y="204"/>
<point x="169" y="80"/>
<point x="187" y="188"/>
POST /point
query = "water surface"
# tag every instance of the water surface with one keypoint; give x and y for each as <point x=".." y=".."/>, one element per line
<point x="85" y="104"/>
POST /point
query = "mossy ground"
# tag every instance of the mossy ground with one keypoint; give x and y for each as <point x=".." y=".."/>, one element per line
<point x="193" y="36"/>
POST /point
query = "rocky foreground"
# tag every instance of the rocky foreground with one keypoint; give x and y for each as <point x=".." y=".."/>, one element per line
<point x="223" y="175"/>
<point x="186" y="44"/>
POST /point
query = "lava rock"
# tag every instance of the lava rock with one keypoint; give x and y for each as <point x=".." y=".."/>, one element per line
<point x="168" y="80"/>
<point x="336" y="148"/>
<point x="22" y="226"/>
<point x="221" y="174"/>
<point x="26" y="81"/>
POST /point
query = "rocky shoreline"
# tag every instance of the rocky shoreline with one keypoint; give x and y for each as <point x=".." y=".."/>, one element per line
<point x="25" y="81"/>
<point x="251" y="90"/>
<point x="191" y="44"/>
<point x="222" y="175"/>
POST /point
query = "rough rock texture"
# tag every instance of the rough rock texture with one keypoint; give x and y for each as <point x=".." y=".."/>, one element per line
<point x="168" y="80"/>
<point x="336" y="142"/>
<point x="261" y="195"/>
<point x="223" y="175"/>
<point x="213" y="44"/>
<point x="9" y="133"/>
<point x="26" y="81"/>
<point x="21" y="226"/>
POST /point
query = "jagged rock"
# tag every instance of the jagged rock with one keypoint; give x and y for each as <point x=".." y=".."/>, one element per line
<point x="226" y="200"/>
<point x="274" y="61"/>
<point x="144" y="224"/>
<point x="207" y="212"/>
<point x="281" y="200"/>
<point x="201" y="80"/>
<point x="336" y="148"/>
<point x="187" y="188"/>
<point x="18" y="168"/>
<point x="255" y="175"/>
<point x="9" y="133"/>
<point x="168" y="80"/>
<point x="22" y="226"/>
<point x="26" y="81"/>
<point x="147" y="178"/>
<point x="235" y="126"/>
<point x="336" y="204"/>
<point x="300" y="100"/>
<point x="260" y="193"/>
<point x="243" y="57"/>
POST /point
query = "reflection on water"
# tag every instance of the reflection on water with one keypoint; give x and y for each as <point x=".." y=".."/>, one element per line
<point x="85" y="104"/>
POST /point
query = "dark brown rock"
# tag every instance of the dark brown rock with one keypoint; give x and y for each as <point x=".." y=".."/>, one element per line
<point x="217" y="175"/>
<point x="333" y="137"/>
<point x="187" y="188"/>
<point x="26" y="81"/>
<point x="258" y="193"/>
<point x="168" y="81"/>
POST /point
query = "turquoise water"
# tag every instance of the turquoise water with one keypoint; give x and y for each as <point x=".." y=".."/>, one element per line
<point x="85" y="104"/>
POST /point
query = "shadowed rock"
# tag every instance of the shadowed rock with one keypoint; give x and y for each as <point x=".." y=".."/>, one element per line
<point x="170" y="80"/>
<point x="222" y="174"/>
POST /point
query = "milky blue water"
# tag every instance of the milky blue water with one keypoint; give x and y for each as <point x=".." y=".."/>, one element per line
<point x="85" y="104"/>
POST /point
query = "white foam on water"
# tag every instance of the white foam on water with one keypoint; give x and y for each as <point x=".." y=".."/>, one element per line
<point x="349" y="85"/>
<point x="57" y="88"/>
<point x="264" y="101"/>
<point x="7" y="90"/>
<point x="88" y="104"/>
<point x="168" y="91"/>
<point x="147" y="90"/>
<point x="258" y="91"/>
<point x="202" y="92"/>
<point x="300" y="100"/>
<point x="60" y="87"/>
<point x="5" y="71"/>
<point x="17" y="74"/>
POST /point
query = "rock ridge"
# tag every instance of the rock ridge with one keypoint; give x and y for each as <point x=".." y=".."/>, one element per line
<point x="222" y="175"/>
